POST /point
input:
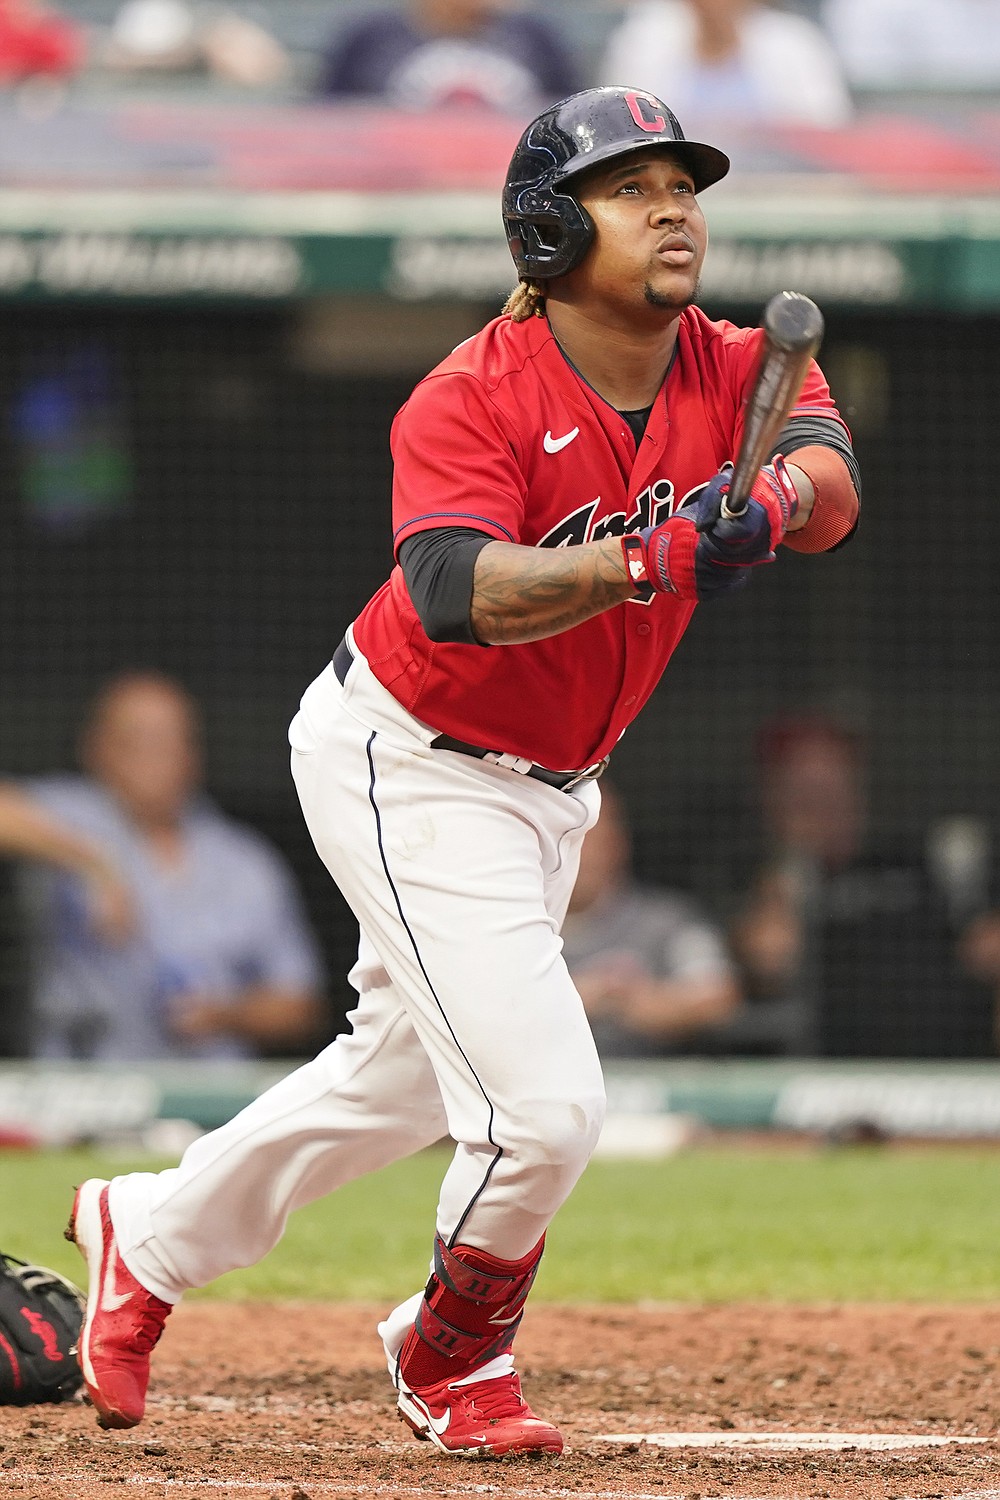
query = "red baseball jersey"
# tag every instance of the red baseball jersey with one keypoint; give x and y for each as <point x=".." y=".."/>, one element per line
<point x="506" y="438"/>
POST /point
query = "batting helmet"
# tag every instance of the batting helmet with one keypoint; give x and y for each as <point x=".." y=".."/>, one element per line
<point x="548" y="230"/>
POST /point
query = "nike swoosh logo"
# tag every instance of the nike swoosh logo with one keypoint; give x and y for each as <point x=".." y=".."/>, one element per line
<point x="111" y="1300"/>
<point x="556" y="445"/>
<point x="439" y="1424"/>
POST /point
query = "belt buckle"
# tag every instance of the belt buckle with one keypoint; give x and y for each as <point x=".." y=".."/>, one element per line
<point x="590" y="774"/>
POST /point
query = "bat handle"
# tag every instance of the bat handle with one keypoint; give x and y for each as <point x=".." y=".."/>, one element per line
<point x="728" y="511"/>
<point x="735" y="502"/>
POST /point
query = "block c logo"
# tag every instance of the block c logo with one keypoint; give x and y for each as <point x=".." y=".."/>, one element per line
<point x="644" y="111"/>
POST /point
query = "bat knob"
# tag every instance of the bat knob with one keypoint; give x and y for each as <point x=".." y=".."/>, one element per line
<point x="793" y="322"/>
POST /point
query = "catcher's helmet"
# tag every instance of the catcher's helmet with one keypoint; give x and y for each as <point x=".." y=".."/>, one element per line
<point x="548" y="231"/>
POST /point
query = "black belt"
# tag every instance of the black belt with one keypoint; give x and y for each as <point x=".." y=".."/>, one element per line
<point x="562" y="780"/>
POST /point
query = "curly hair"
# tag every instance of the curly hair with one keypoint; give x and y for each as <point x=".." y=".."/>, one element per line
<point x="527" y="300"/>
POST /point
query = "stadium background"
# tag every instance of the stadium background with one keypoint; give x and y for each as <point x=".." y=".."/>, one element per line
<point x="194" y="475"/>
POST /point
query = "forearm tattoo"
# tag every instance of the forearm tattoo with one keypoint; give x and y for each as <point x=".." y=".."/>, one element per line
<point x="528" y="593"/>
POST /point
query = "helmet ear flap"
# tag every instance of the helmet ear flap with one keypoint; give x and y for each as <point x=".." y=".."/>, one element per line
<point x="548" y="237"/>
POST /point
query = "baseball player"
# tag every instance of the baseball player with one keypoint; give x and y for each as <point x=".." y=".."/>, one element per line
<point x="557" y="517"/>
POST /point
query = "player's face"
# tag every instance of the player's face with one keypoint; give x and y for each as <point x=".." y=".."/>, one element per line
<point x="650" y="233"/>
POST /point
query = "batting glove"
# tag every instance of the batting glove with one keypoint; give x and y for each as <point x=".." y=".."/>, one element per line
<point x="699" y="554"/>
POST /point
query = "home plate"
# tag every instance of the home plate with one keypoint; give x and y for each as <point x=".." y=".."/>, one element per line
<point x="786" y="1440"/>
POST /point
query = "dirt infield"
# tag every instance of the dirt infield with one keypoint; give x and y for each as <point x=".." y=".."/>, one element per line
<point x="292" y="1401"/>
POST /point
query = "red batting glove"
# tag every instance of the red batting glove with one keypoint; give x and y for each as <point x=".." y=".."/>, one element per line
<point x="774" y="490"/>
<point x="699" y="554"/>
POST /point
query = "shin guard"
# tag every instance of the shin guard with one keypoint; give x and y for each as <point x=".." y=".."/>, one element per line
<point x="472" y="1306"/>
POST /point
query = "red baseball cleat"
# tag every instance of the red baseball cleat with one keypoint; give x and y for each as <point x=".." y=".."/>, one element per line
<point x="123" y="1321"/>
<point x="480" y="1417"/>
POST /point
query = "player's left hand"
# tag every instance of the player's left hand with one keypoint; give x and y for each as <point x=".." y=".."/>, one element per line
<point x="749" y="539"/>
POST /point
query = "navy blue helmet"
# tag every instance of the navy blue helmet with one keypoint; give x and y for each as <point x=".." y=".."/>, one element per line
<point x="548" y="230"/>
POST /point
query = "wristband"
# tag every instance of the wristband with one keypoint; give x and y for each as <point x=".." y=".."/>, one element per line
<point x="782" y="486"/>
<point x="634" y="552"/>
<point x="669" y="551"/>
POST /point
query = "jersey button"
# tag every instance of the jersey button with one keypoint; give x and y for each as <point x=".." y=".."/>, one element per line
<point x="629" y="701"/>
<point x="642" y="629"/>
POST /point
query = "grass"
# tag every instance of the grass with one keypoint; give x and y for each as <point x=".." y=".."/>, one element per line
<point x="715" y="1224"/>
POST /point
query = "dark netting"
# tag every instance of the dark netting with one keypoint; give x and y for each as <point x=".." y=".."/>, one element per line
<point x="177" y="493"/>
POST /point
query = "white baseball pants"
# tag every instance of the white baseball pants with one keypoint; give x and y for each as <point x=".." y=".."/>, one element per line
<point x="467" y="1023"/>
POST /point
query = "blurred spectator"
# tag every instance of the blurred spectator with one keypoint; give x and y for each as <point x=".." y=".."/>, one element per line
<point x="36" y="41"/>
<point x="732" y="61"/>
<point x="942" y="44"/>
<point x="652" y="970"/>
<point x="163" y="928"/>
<point x="980" y="953"/>
<point x="172" y="36"/>
<point x="451" y="52"/>
<point x="856" y="945"/>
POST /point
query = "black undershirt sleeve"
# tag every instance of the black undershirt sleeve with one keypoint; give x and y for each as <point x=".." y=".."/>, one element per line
<point x="823" y="432"/>
<point x="438" y="567"/>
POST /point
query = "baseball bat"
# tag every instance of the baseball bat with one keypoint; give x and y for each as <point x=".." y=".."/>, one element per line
<point x="793" y="328"/>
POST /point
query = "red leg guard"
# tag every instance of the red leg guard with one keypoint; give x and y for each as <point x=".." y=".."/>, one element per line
<point x="470" y="1313"/>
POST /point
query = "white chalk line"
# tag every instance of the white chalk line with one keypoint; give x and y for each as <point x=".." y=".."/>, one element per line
<point x="323" y="1487"/>
<point x="422" y="1492"/>
<point x="299" y="1447"/>
<point x="272" y="1405"/>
